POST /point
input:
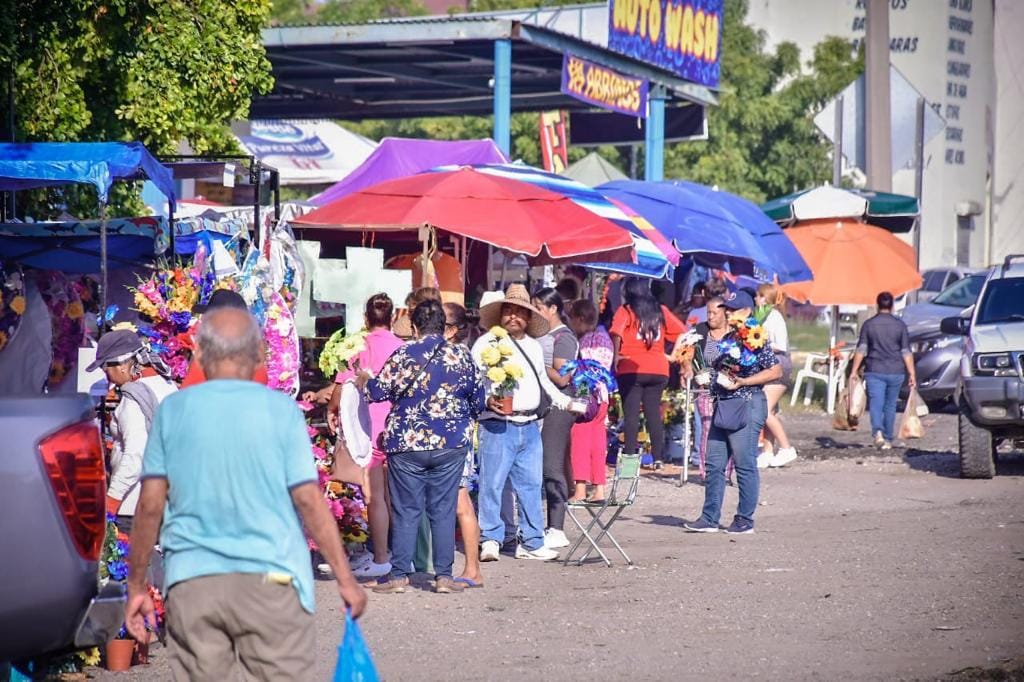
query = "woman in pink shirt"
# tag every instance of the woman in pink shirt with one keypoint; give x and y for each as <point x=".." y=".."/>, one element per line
<point x="380" y="344"/>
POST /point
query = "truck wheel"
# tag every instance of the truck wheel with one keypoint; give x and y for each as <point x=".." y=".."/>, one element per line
<point x="976" y="449"/>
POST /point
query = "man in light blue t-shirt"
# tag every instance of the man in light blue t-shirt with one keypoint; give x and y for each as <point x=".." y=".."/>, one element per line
<point x="228" y="469"/>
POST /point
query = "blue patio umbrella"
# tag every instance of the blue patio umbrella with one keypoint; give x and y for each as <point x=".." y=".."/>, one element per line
<point x="651" y="262"/>
<point x="695" y="226"/>
<point x="788" y="263"/>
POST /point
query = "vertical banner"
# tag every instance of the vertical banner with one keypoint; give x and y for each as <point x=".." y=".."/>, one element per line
<point x="553" y="146"/>
<point x="682" y="36"/>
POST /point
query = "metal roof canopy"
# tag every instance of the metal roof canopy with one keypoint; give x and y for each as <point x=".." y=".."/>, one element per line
<point x="432" y="66"/>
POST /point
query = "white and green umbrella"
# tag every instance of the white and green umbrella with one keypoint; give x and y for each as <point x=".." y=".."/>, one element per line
<point x="894" y="212"/>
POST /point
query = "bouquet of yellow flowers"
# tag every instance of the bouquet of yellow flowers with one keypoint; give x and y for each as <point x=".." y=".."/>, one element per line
<point x="503" y="373"/>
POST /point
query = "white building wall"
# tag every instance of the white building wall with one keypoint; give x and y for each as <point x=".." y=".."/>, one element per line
<point x="944" y="48"/>
<point x="1007" y="199"/>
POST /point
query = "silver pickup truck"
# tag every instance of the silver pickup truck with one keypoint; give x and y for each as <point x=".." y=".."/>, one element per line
<point x="52" y="493"/>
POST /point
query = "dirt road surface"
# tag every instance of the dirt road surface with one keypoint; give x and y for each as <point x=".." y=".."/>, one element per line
<point x="865" y="565"/>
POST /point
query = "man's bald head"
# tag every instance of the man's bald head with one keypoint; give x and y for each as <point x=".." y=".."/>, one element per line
<point x="230" y="344"/>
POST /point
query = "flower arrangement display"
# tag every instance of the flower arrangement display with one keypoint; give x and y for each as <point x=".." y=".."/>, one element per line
<point x="739" y="348"/>
<point x="67" y="321"/>
<point x="114" y="555"/>
<point x="282" y="341"/>
<point x="685" y="349"/>
<point x="589" y="377"/>
<point x="673" y="407"/>
<point x="166" y="298"/>
<point x="503" y="373"/>
<point x="12" y="303"/>
<point x="591" y="383"/>
<point x="340" y="351"/>
<point x="345" y="501"/>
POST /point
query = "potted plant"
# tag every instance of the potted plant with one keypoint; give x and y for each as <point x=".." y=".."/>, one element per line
<point x="503" y="373"/>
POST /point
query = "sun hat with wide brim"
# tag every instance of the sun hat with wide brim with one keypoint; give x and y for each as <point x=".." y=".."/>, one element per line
<point x="516" y="294"/>
<point x="115" y="346"/>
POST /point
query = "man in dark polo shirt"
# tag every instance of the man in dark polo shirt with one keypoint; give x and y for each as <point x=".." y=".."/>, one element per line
<point x="884" y="349"/>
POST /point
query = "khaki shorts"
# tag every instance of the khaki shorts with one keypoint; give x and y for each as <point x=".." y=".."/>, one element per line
<point x="217" y="622"/>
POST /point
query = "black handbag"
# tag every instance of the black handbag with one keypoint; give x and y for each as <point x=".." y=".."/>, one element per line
<point x="731" y="414"/>
<point x="544" y="406"/>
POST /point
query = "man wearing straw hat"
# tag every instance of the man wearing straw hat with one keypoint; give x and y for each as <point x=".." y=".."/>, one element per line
<point x="510" y="445"/>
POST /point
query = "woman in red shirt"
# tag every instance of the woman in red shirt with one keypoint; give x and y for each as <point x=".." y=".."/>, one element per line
<point x="639" y="331"/>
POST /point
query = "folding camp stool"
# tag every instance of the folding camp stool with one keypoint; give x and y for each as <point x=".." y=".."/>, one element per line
<point x="621" y="495"/>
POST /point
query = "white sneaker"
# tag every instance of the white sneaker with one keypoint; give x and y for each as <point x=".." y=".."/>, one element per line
<point x="783" y="457"/>
<point x="542" y="553"/>
<point x="554" y="538"/>
<point x="489" y="550"/>
<point x="879" y="439"/>
<point x="763" y="460"/>
<point x="372" y="570"/>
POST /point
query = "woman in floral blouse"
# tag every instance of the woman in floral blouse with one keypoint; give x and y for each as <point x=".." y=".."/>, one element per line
<point x="435" y="395"/>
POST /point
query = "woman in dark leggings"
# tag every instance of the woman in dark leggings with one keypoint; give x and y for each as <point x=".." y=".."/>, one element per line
<point x="560" y="346"/>
<point x="639" y="331"/>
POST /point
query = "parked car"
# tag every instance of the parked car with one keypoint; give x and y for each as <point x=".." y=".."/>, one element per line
<point x="936" y="280"/>
<point x="52" y="466"/>
<point x="937" y="355"/>
<point x="990" y="393"/>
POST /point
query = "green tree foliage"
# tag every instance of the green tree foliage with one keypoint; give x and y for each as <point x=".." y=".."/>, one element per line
<point x="157" y="71"/>
<point x="762" y="139"/>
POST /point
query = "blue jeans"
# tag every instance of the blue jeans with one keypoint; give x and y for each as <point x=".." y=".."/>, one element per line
<point x="510" y="450"/>
<point x="742" y="447"/>
<point x="418" y="479"/>
<point x="883" y="392"/>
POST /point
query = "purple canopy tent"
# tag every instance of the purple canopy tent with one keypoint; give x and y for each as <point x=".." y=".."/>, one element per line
<point x="397" y="157"/>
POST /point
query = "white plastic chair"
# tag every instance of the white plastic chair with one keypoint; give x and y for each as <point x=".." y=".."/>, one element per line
<point x="808" y="375"/>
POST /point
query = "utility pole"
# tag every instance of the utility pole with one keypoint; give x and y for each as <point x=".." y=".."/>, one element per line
<point x="876" y="74"/>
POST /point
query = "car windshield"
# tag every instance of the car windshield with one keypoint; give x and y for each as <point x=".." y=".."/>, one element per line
<point x="1003" y="302"/>
<point x="961" y="293"/>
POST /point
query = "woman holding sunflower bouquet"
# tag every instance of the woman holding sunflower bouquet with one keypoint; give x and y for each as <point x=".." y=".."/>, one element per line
<point x="744" y="364"/>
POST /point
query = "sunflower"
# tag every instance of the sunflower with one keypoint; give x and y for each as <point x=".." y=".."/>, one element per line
<point x="755" y="338"/>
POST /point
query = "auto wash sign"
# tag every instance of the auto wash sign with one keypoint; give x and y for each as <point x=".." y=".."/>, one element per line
<point x="682" y="36"/>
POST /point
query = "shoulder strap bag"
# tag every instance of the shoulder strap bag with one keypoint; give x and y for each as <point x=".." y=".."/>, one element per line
<point x="344" y="467"/>
<point x="544" y="406"/>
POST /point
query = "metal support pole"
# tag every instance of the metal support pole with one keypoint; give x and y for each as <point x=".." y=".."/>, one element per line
<point x="503" y="95"/>
<point x="878" y="125"/>
<point x="654" y="136"/>
<point x="918" y="181"/>
<point x="104" y="291"/>
<point x="837" y="145"/>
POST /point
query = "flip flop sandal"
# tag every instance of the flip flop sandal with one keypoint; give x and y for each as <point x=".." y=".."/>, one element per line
<point x="468" y="582"/>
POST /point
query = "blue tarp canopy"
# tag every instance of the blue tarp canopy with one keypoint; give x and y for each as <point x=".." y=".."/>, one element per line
<point x="42" y="164"/>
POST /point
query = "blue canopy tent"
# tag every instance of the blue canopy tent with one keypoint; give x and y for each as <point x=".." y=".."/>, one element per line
<point x="695" y="226"/>
<point x="46" y="164"/>
<point x="788" y="263"/>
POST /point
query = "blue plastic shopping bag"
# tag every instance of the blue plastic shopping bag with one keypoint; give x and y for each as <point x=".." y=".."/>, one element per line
<point x="354" y="661"/>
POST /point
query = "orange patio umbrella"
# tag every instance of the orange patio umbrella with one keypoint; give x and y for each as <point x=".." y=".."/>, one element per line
<point x="852" y="263"/>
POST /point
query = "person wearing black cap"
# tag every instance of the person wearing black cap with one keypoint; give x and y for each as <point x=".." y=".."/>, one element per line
<point x="222" y="298"/>
<point x="142" y="380"/>
<point x="740" y="413"/>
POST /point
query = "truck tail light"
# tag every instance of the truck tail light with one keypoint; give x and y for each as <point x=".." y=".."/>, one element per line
<point x="73" y="458"/>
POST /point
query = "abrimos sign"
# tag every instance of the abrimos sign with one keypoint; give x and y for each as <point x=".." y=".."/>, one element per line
<point x="683" y="36"/>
